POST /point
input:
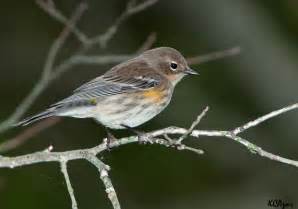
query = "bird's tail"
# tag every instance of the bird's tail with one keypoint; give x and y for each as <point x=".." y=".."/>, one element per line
<point x="45" y="114"/>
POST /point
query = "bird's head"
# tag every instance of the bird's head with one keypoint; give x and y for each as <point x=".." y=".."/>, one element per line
<point x="169" y="62"/>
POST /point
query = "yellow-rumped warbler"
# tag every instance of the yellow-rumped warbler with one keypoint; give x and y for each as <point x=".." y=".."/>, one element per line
<point x="127" y="95"/>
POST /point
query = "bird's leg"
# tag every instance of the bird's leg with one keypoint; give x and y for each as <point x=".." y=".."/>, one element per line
<point x="110" y="138"/>
<point x="142" y="137"/>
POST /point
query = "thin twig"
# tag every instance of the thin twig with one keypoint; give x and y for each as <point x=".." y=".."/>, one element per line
<point x="68" y="184"/>
<point x="193" y="125"/>
<point x="102" y="59"/>
<point x="117" y="58"/>
<point x="213" y="56"/>
<point x="103" y="171"/>
<point x="51" y="10"/>
<point x="58" y="44"/>
<point x="258" y="150"/>
<point x="131" y="9"/>
<point x="148" y="43"/>
<point x="102" y="39"/>
<point x="195" y="150"/>
<point x="259" y="120"/>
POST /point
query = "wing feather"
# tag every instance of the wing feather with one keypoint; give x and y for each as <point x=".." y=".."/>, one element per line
<point x="111" y="85"/>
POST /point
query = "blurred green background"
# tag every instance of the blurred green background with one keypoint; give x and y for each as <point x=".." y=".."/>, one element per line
<point x="237" y="89"/>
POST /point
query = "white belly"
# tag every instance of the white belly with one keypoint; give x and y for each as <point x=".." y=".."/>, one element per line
<point x="114" y="116"/>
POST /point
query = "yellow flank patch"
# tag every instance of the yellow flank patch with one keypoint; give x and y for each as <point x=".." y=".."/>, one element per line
<point x="93" y="101"/>
<point x="156" y="95"/>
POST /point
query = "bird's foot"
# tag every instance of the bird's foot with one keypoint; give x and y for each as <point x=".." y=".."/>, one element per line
<point x="110" y="140"/>
<point x="178" y="145"/>
<point x="143" y="138"/>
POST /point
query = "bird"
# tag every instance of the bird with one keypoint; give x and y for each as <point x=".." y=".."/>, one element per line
<point x="126" y="96"/>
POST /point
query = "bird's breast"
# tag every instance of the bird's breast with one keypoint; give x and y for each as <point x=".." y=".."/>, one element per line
<point x="133" y="109"/>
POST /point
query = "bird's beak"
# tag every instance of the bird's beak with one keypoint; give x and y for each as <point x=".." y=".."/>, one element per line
<point x="190" y="71"/>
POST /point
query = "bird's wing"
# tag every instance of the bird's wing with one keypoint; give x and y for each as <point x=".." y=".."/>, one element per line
<point x="104" y="86"/>
<point x="112" y="84"/>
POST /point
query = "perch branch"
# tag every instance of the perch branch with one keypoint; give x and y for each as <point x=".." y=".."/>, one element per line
<point x="154" y="137"/>
<point x="43" y="156"/>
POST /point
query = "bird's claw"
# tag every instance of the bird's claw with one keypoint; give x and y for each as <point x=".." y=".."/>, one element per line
<point x="143" y="138"/>
<point x="110" y="139"/>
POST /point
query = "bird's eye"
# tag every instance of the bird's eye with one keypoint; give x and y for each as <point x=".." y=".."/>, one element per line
<point x="174" y="66"/>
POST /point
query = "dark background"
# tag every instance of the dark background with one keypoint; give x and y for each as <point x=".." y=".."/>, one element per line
<point x="237" y="89"/>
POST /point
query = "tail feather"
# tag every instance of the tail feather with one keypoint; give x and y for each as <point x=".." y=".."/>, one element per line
<point x="78" y="109"/>
<point x="48" y="113"/>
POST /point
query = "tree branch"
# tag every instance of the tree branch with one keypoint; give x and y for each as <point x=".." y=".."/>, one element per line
<point x="193" y="125"/>
<point x="214" y="56"/>
<point x="154" y="137"/>
<point x="49" y="7"/>
<point x="131" y="8"/>
<point x="148" y="43"/>
<point x="114" y="59"/>
<point x="102" y="40"/>
<point x="68" y="184"/>
<point x="103" y="171"/>
<point x="45" y="156"/>
<point x="264" y="118"/>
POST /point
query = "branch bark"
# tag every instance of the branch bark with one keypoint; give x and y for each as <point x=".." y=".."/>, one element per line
<point x="155" y="137"/>
<point x="74" y="203"/>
